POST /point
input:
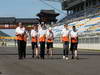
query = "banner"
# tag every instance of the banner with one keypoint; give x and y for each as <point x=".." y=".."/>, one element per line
<point x="7" y="37"/>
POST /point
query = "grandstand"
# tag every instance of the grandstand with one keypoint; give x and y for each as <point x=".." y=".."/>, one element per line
<point x="86" y="20"/>
<point x="85" y="15"/>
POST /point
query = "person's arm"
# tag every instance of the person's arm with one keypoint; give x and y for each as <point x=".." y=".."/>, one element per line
<point x="53" y="35"/>
<point x="69" y="36"/>
<point x="77" y="37"/>
<point x="47" y="35"/>
<point x="31" y="33"/>
<point x="38" y="34"/>
<point x="26" y="34"/>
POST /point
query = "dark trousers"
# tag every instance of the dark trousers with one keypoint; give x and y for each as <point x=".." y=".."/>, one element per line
<point x="65" y="48"/>
<point x="73" y="47"/>
<point x="42" y="49"/>
<point x="20" y="48"/>
<point x="24" y="51"/>
<point x="34" y="45"/>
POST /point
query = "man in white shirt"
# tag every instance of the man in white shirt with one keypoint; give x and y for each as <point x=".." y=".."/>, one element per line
<point x="42" y="40"/>
<point x="20" y="31"/>
<point x="34" y="35"/>
<point x="74" y="42"/>
<point x="65" y="40"/>
<point x="49" y="39"/>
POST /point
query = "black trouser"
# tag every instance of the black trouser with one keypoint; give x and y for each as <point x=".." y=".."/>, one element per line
<point x="20" y="48"/>
<point x="49" y="45"/>
<point x="42" y="49"/>
<point x="34" y="45"/>
<point x="65" y="48"/>
<point x="24" y="53"/>
<point x="73" y="47"/>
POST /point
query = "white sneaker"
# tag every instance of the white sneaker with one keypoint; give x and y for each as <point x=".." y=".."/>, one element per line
<point x="64" y="57"/>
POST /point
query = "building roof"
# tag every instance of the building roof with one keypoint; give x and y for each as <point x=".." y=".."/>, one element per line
<point x="7" y="20"/>
<point x="27" y="20"/>
<point x="13" y="20"/>
<point x="48" y="12"/>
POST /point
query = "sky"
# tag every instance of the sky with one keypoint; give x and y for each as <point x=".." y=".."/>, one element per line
<point x="26" y="9"/>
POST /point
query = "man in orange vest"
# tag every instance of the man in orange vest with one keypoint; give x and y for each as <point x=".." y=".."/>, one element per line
<point x="50" y="38"/>
<point x="20" y="30"/>
<point x="42" y="40"/>
<point x="34" y="35"/>
<point x="65" y="39"/>
<point x="74" y="42"/>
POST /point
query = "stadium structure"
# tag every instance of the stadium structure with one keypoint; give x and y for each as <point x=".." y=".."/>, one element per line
<point x="85" y="15"/>
<point x="47" y="16"/>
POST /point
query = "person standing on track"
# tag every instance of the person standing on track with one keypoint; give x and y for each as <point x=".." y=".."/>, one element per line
<point x="34" y="35"/>
<point x="50" y="38"/>
<point x="20" y="30"/>
<point x="42" y="40"/>
<point x="74" y="42"/>
<point x="65" y="39"/>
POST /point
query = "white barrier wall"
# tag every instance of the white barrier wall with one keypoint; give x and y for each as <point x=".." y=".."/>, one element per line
<point x="89" y="46"/>
<point x="92" y="43"/>
<point x="81" y="46"/>
<point x="92" y="46"/>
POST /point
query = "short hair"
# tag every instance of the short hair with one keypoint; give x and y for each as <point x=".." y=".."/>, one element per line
<point x="74" y="26"/>
<point x="65" y="24"/>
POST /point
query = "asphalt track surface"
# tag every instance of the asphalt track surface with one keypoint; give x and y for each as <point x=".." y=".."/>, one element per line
<point x="88" y="64"/>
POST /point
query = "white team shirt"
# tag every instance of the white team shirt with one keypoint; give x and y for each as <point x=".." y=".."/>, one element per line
<point x="34" y="33"/>
<point x="20" y="30"/>
<point x="49" y="34"/>
<point x="74" y="34"/>
<point x="42" y="32"/>
<point x="65" y="32"/>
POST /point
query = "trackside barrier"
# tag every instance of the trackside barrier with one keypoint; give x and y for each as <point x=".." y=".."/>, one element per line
<point x="92" y="43"/>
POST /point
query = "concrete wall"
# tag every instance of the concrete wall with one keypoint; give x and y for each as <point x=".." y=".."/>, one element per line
<point x="82" y="46"/>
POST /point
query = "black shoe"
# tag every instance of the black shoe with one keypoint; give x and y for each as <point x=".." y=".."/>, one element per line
<point x="32" y="56"/>
<point x="0" y="72"/>
<point x="20" y="58"/>
<point x="42" y="57"/>
<point x="72" y="57"/>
